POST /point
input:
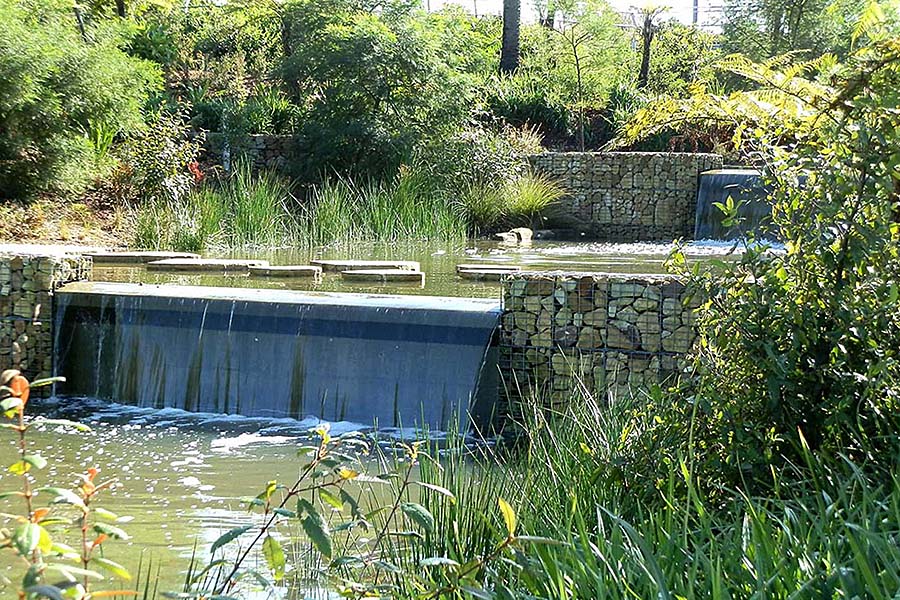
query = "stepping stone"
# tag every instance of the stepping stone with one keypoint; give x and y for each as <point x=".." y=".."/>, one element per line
<point x="137" y="258"/>
<point x="286" y="271"/>
<point x="352" y="265"/>
<point x="385" y="275"/>
<point x="489" y="267"/>
<point x="485" y="274"/>
<point x="206" y="265"/>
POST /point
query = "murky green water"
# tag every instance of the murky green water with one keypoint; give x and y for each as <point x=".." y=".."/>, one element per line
<point x="182" y="479"/>
<point x="438" y="261"/>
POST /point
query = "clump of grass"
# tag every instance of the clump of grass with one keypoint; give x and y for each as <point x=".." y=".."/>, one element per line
<point x="342" y="210"/>
<point x="528" y="197"/>
<point x="244" y="210"/>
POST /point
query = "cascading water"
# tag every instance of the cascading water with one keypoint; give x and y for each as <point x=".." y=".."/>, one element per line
<point x="388" y="361"/>
<point x="743" y="185"/>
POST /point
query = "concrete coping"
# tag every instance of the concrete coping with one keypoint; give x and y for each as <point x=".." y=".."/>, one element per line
<point x="221" y="265"/>
<point x="286" y="271"/>
<point x="344" y="265"/>
<point x="597" y="275"/>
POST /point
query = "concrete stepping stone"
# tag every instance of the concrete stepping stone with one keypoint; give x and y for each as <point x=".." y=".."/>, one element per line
<point x="137" y="258"/>
<point x="206" y="265"/>
<point x="353" y="265"/>
<point x="286" y="271"/>
<point x="384" y="276"/>
<point x="486" y="272"/>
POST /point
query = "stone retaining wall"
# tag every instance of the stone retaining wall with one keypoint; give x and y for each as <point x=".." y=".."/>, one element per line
<point x="628" y="196"/>
<point x="610" y="332"/>
<point x="263" y="151"/>
<point x="27" y="283"/>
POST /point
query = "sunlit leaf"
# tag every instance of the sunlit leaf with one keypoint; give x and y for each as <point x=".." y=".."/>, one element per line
<point x="111" y="530"/>
<point x="440" y="490"/>
<point x="113" y="567"/>
<point x="509" y="516"/>
<point x="26" y="537"/>
<point x="330" y="499"/>
<point x="274" y="557"/>
<point x="63" y="496"/>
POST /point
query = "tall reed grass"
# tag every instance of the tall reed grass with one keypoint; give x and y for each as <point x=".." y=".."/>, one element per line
<point x="243" y="210"/>
<point x="826" y="529"/>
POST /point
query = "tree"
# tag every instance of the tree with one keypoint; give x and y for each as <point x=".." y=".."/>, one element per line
<point x="509" y="48"/>
<point x="799" y="348"/>
<point x="762" y="29"/>
<point x="644" y="19"/>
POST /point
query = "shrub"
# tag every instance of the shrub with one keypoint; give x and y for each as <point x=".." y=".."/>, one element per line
<point x="53" y="87"/>
<point x="159" y="155"/>
<point x="527" y="101"/>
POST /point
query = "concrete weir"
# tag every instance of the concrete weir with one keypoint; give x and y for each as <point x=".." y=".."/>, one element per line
<point x="371" y="359"/>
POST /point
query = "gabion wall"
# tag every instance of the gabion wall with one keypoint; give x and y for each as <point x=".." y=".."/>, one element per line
<point x="27" y="283"/>
<point x="610" y="333"/>
<point x="628" y="196"/>
<point x="263" y="151"/>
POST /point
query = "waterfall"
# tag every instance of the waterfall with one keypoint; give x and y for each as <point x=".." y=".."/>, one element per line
<point x="743" y="185"/>
<point x="388" y="361"/>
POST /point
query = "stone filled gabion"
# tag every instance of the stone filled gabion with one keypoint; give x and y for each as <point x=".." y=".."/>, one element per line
<point x="262" y="151"/>
<point x="610" y="333"/>
<point x="27" y="284"/>
<point x="628" y="196"/>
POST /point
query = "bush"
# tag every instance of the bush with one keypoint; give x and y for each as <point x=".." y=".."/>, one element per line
<point x="526" y="101"/>
<point x="54" y="88"/>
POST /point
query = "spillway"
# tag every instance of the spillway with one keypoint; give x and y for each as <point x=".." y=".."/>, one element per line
<point x="743" y="185"/>
<point x="386" y="361"/>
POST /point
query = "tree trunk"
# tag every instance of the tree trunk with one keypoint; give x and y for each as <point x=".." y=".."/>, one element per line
<point x="509" y="49"/>
<point x="120" y="9"/>
<point x="646" y="39"/>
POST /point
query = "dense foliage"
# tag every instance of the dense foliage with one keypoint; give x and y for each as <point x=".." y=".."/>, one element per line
<point x="64" y="97"/>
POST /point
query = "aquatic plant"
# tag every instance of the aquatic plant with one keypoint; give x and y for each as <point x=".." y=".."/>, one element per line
<point x="34" y="538"/>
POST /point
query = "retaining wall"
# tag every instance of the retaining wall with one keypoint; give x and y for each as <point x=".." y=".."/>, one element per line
<point x="27" y="283"/>
<point x="610" y="332"/>
<point x="628" y="196"/>
<point x="263" y="151"/>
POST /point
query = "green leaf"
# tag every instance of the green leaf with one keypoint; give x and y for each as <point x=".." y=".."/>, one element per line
<point x="45" y="543"/>
<point x="440" y="490"/>
<point x="63" y="496"/>
<point x="26" y="537"/>
<point x="113" y="567"/>
<point x="10" y="403"/>
<point x="316" y="528"/>
<point x="111" y="530"/>
<point x="284" y="512"/>
<point x="106" y="515"/>
<point x="35" y="460"/>
<point x="274" y="557"/>
<point x="420" y="515"/>
<point x="536" y="539"/>
<point x="229" y="536"/>
<point x="72" y="572"/>
<point x="509" y="516"/>
<point x="63" y="422"/>
<point x="45" y="591"/>
<point x="46" y="381"/>
<point x="479" y="593"/>
<point x="330" y="499"/>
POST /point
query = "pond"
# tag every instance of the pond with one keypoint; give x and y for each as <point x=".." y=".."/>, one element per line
<point x="183" y="479"/>
<point x="438" y="261"/>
